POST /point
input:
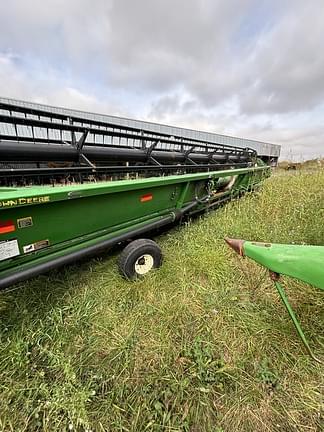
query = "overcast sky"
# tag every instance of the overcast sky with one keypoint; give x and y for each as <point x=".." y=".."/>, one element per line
<point x="250" y="68"/>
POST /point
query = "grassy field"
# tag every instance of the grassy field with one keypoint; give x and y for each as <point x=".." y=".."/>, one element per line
<point x="203" y="344"/>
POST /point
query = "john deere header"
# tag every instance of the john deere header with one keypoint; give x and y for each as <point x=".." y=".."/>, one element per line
<point x="71" y="187"/>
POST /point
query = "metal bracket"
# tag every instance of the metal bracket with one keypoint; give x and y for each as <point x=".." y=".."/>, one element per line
<point x="155" y="162"/>
<point x="82" y="140"/>
<point x="187" y="153"/>
<point x="210" y="157"/>
<point x="79" y="145"/>
<point x="275" y="278"/>
<point x="151" y="148"/>
<point x="86" y="160"/>
<point x="149" y="152"/>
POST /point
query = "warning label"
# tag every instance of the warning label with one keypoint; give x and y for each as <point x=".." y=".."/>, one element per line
<point x="36" y="246"/>
<point x="8" y="249"/>
<point x="25" y="222"/>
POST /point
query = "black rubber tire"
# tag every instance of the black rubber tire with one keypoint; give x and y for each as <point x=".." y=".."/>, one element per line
<point x="133" y="251"/>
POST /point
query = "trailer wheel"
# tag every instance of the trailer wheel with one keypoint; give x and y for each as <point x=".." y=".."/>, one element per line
<point x="139" y="257"/>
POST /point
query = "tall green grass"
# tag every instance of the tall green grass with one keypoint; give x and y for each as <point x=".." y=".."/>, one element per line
<point x="202" y="344"/>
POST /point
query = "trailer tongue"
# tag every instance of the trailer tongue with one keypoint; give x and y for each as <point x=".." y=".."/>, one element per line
<point x="71" y="187"/>
<point x="303" y="262"/>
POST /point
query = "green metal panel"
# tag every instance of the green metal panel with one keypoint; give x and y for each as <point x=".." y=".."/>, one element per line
<point x="301" y="262"/>
<point x="50" y="221"/>
<point x="297" y="261"/>
<point x="13" y="197"/>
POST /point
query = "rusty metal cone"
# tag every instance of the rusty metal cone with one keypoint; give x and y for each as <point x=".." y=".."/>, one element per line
<point x="236" y="244"/>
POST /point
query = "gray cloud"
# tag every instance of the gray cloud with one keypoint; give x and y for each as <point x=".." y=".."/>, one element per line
<point x="55" y="30"/>
<point x="48" y="88"/>
<point x="244" y="67"/>
<point x="171" y="43"/>
<point x="288" y="65"/>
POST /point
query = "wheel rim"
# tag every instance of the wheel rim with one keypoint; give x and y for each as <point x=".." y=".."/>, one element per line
<point x="144" y="264"/>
